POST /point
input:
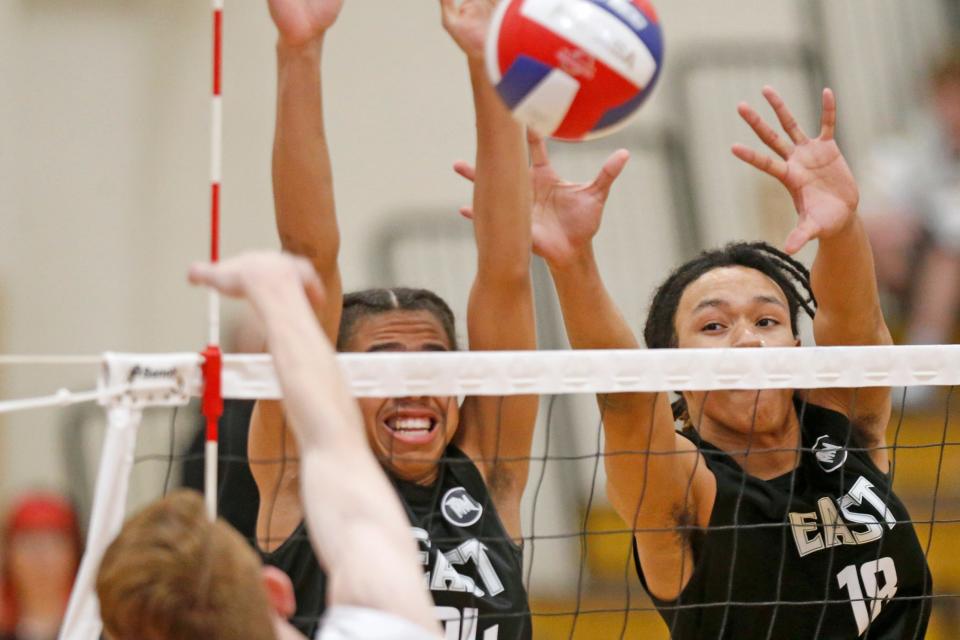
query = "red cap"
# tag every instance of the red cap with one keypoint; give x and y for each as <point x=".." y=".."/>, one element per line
<point x="41" y="511"/>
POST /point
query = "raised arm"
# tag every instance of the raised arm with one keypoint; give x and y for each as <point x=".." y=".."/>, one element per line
<point x="826" y="198"/>
<point x="307" y="225"/>
<point x="497" y="433"/>
<point x="302" y="177"/>
<point x="655" y="479"/>
<point x="358" y="529"/>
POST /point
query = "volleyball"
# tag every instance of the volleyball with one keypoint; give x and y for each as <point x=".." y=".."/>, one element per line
<point x="574" y="69"/>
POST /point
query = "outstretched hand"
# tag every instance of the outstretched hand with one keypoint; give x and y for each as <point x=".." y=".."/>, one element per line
<point x="301" y="22"/>
<point x="566" y="215"/>
<point x="257" y="275"/>
<point x="814" y="171"/>
<point x="467" y="24"/>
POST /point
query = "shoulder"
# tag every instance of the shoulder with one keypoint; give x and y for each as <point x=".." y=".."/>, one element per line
<point x="710" y="457"/>
<point x="821" y="417"/>
<point x="864" y="412"/>
<point x="860" y="431"/>
<point x="862" y="436"/>
<point x="461" y="469"/>
<point x="464" y="496"/>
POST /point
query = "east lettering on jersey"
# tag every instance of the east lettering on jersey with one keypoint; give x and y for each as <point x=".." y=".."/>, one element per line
<point x="825" y="551"/>
<point x="472" y="568"/>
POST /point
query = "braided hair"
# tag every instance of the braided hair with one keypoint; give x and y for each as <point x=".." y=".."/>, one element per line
<point x="361" y="304"/>
<point x="789" y="274"/>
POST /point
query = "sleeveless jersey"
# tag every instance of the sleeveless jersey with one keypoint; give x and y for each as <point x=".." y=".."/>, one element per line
<point x="826" y="551"/>
<point x="471" y="566"/>
<point x="239" y="499"/>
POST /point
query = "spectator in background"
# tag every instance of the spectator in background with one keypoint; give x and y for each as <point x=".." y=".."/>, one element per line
<point x="41" y="552"/>
<point x="912" y="213"/>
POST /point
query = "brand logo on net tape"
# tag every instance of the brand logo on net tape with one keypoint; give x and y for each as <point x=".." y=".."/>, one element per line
<point x="156" y="380"/>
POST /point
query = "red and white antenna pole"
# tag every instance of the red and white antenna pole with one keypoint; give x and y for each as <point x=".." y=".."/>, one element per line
<point x="212" y="399"/>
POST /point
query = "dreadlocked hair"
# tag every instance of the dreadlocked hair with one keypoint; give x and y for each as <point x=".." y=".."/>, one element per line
<point x="790" y="275"/>
<point x="361" y="304"/>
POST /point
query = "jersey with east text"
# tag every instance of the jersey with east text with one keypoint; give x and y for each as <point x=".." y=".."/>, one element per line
<point x="472" y="568"/>
<point x="826" y="551"/>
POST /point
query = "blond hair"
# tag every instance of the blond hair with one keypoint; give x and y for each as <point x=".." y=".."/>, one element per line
<point x="174" y="574"/>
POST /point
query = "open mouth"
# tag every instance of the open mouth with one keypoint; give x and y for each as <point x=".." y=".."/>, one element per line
<point x="413" y="427"/>
<point x="403" y="424"/>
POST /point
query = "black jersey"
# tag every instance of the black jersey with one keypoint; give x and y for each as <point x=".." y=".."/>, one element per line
<point x="826" y="551"/>
<point x="296" y="558"/>
<point x="471" y="566"/>
<point x="239" y="500"/>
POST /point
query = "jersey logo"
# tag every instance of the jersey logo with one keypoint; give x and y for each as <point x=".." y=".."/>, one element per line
<point x="830" y="456"/>
<point x="459" y="508"/>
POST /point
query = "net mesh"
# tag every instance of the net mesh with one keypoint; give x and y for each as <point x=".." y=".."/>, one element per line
<point x="579" y="568"/>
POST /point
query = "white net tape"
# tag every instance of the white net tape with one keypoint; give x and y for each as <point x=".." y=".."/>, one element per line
<point x="555" y="372"/>
<point x="612" y="371"/>
<point x="129" y="383"/>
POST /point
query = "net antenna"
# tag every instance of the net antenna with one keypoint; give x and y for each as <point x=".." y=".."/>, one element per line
<point x="137" y="375"/>
<point x="212" y="405"/>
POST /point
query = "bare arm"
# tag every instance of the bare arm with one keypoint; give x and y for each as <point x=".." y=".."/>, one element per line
<point x="307" y="225"/>
<point x="843" y="280"/>
<point x="497" y="433"/>
<point x="655" y="478"/>
<point x="848" y="313"/>
<point x="358" y="528"/>
<point x="302" y="176"/>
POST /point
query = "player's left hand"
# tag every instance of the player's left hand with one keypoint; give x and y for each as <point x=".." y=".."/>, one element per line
<point x="302" y="22"/>
<point x="814" y="171"/>
<point x="256" y="275"/>
<point x="566" y="215"/>
<point x="467" y="23"/>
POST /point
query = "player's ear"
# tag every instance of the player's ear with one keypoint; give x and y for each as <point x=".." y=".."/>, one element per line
<point x="279" y="591"/>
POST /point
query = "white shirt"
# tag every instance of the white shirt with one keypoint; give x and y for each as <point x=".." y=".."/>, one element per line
<point x="359" y="623"/>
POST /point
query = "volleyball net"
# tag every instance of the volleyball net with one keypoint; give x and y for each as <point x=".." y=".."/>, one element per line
<point x="579" y="566"/>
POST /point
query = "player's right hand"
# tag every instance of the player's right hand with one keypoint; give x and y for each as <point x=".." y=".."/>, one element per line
<point x="303" y="22"/>
<point x="566" y="215"/>
<point x="813" y="170"/>
<point x="467" y="23"/>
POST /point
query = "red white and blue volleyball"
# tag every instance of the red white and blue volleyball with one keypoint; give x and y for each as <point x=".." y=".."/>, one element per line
<point x="574" y="69"/>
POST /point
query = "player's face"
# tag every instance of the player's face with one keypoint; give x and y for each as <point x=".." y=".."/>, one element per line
<point x="408" y="435"/>
<point x="732" y="307"/>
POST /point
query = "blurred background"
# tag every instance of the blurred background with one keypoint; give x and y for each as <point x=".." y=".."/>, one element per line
<point x="104" y="156"/>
